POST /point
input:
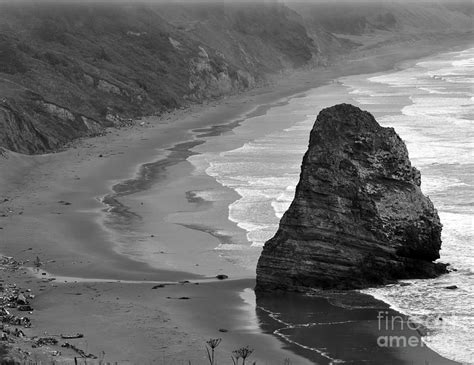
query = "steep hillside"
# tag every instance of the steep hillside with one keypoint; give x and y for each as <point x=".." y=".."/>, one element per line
<point x="254" y="37"/>
<point x="366" y="25"/>
<point x="69" y="70"/>
<point x="409" y="17"/>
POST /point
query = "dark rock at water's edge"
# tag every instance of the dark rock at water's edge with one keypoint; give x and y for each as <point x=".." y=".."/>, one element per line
<point x="358" y="218"/>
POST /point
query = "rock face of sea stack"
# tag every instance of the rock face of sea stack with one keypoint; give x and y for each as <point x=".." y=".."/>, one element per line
<point x="358" y="218"/>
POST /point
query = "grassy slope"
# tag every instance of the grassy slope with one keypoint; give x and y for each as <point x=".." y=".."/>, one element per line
<point x="377" y="24"/>
<point x="68" y="71"/>
<point x="100" y="61"/>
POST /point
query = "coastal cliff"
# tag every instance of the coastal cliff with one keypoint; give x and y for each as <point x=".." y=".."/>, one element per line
<point x="72" y="69"/>
<point x="358" y="217"/>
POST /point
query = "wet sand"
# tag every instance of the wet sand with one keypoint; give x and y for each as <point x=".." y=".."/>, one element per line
<point x="130" y="321"/>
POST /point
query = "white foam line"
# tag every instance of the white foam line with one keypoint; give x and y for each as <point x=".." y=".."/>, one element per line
<point x="277" y="332"/>
<point x="320" y="352"/>
<point x="424" y="337"/>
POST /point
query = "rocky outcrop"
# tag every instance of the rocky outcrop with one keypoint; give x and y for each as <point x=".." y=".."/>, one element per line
<point x="211" y="77"/>
<point x="358" y="217"/>
<point x="38" y="125"/>
<point x="17" y="133"/>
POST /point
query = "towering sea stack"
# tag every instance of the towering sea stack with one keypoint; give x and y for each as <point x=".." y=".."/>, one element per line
<point x="358" y="218"/>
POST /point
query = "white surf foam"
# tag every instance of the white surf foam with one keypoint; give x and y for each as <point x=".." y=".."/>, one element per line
<point x="430" y="106"/>
<point x="439" y="136"/>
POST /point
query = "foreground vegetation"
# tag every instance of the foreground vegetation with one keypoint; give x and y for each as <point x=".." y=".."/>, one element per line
<point x="240" y="356"/>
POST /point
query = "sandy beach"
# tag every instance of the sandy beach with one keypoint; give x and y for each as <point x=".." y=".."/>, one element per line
<point x="127" y="261"/>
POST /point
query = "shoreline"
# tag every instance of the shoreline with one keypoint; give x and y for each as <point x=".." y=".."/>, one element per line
<point x="447" y="335"/>
<point x="198" y="138"/>
<point x="41" y="209"/>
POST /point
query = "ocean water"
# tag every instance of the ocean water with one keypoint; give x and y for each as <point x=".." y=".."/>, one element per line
<point x="430" y="105"/>
<point x="264" y="167"/>
<point x="438" y="128"/>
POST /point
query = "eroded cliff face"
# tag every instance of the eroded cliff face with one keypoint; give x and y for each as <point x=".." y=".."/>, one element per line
<point x="358" y="217"/>
<point x="46" y="126"/>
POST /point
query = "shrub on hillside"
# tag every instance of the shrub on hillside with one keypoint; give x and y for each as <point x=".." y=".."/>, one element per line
<point x="11" y="60"/>
<point x="52" y="31"/>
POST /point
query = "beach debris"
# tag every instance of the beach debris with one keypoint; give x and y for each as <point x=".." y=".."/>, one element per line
<point x="451" y="287"/>
<point x="9" y="263"/>
<point x="71" y="336"/>
<point x="21" y="300"/>
<point x="25" y="308"/>
<point x="223" y="330"/>
<point x="81" y="352"/>
<point x="4" y="337"/>
<point x="42" y="341"/>
<point x="14" y="332"/>
<point x="15" y="320"/>
<point x="158" y="286"/>
<point x="13" y="297"/>
<point x="63" y="202"/>
<point x="222" y="277"/>
<point x="184" y="282"/>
